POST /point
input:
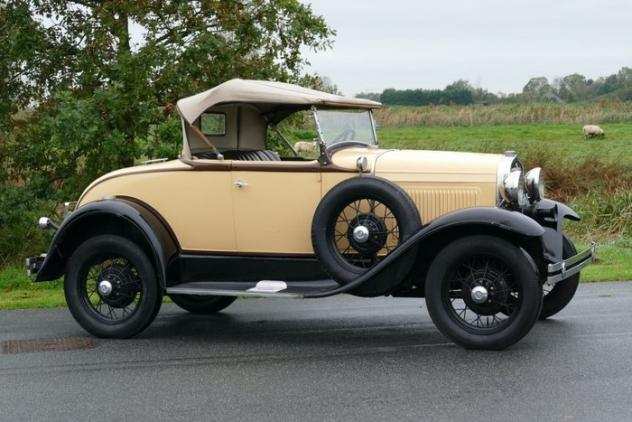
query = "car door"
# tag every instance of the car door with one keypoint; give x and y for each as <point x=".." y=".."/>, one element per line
<point x="274" y="203"/>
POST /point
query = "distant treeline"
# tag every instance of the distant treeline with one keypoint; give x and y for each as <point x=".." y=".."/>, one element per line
<point x="570" y="88"/>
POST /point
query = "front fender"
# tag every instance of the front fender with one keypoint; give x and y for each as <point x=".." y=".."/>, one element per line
<point x="561" y="211"/>
<point x="123" y="214"/>
<point x="510" y="221"/>
<point x="551" y="215"/>
<point x="495" y="218"/>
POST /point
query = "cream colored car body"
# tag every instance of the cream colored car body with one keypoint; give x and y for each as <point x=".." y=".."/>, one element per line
<point x="267" y="207"/>
<point x="205" y="228"/>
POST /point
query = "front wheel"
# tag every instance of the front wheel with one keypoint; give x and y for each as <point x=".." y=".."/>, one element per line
<point x="483" y="293"/>
<point x="111" y="287"/>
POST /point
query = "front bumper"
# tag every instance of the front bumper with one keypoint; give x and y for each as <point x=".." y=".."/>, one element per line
<point x="570" y="266"/>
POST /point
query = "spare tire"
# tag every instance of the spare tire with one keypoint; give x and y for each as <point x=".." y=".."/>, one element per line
<point x="359" y="222"/>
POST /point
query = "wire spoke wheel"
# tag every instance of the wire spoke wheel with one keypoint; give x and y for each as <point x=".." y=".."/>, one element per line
<point x="481" y="296"/>
<point x="364" y="232"/>
<point x="112" y="289"/>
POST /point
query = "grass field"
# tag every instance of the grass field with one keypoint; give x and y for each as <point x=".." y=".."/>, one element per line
<point x="601" y="112"/>
<point x="594" y="176"/>
<point x="564" y="141"/>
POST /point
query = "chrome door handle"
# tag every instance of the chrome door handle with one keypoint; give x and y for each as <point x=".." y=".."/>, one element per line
<point x="240" y="184"/>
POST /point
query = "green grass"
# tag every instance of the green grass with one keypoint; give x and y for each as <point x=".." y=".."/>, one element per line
<point x="17" y="291"/>
<point x="562" y="140"/>
<point x="614" y="262"/>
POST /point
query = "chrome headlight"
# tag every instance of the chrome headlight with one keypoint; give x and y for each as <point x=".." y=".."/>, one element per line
<point x="513" y="187"/>
<point x="534" y="184"/>
<point x="511" y="181"/>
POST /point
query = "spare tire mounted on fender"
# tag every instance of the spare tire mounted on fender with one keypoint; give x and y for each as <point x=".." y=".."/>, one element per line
<point x="357" y="223"/>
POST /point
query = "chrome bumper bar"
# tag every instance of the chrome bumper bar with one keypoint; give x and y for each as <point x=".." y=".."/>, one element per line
<point x="571" y="266"/>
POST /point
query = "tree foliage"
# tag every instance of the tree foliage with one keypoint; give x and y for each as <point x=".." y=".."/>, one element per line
<point x="459" y="92"/>
<point x="88" y="86"/>
<point x="539" y="89"/>
<point x="93" y="88"/>
<point x="570" y="88"/>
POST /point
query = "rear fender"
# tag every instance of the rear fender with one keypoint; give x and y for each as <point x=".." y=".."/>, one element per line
<point x="124" y="216"/>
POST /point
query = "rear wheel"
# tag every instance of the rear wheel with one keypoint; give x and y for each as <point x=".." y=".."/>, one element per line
<point x="482" y="293"/>
<point x="557" y="297"/>
<point x="111" y="287"/>
<point x="202" y="305"/>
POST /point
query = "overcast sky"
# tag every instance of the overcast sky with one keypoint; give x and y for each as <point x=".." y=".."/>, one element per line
<point x="496" y="44"/>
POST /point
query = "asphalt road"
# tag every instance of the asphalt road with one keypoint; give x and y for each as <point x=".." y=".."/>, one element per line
<point x="341" y="358"/>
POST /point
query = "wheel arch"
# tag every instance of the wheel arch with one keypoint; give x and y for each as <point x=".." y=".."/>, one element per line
<point x="123" y="216"/>
<point x="431" y="246"/>
<point x="512" y="226"/>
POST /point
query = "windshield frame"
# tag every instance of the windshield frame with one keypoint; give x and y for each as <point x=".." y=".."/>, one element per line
<point x="324" y="146"/>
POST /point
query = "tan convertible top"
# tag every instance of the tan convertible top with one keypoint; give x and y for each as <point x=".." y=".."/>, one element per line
<point x="268" y="95"/>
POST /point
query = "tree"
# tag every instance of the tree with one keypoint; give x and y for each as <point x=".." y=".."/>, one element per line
<point x="373" y="96"/>
<point x="95" y="90"/>
<point x="574" y="87"/>
<point x="539" y="89"/>
<point x="459" y="92"/>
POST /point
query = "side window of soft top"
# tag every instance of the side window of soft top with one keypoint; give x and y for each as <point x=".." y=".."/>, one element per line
<point x="213" y="124"/>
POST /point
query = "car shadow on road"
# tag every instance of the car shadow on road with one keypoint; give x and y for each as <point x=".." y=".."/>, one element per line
<point x="226" y="329"/>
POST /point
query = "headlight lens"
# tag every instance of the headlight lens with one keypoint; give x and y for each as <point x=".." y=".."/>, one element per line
<point x="511" y="181"/>
<point x="513" y="187"/>
<point x="534" y="184"/>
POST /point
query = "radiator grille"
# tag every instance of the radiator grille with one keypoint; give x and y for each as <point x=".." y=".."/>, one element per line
<point x="433" y="203"/>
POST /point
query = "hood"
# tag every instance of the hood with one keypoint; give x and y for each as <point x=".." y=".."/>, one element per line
<point x="441" y="166"/>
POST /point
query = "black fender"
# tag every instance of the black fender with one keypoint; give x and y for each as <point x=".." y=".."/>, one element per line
<point x="511" y="222"/>
<point x="555" y="209"/>
<point x="551" y="215"/>
<point x="125" y="216"/>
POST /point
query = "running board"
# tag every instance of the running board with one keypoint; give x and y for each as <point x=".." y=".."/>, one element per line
<point x="263" y="288"/>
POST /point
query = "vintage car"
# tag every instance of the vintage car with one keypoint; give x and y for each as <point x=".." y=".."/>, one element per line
<point x="472" y="233"/>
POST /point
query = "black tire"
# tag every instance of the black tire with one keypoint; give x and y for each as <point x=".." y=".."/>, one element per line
<point x="511" y="275"/>
<point x="387" y="194"/>
<point x="202" y="305"/>
<point x="563" y="292"/>
<point x="85" y="308"/>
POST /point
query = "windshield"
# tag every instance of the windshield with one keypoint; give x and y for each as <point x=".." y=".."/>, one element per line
<point x="339" y="126"/>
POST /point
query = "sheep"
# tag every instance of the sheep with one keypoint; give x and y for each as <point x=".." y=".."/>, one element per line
<point x="593" y="131"/>
<point x="304" y="147"/>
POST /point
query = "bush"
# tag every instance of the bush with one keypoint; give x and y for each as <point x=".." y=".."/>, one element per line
<point x="604" y="215"/>
<point x="567" y="179"/>
<point x="64" y="146"/>
<point x="19" y="212"/>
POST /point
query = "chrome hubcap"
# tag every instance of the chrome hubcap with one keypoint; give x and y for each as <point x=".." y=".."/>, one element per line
<point x="361" y="234"/>
<point x="105" y="288"/>
<point x="479" y="294"/>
